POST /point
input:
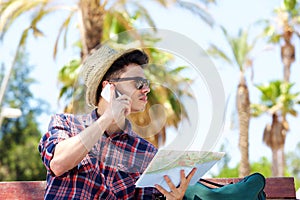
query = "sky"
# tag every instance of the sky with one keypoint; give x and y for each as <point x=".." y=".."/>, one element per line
<point x="232" y="14"/>
<point x="267" y="66"/>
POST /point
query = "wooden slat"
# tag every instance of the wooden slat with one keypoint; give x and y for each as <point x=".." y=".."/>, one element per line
<point x="276" y="188"/>
<point x="280" y="188"/>
<point x="21" y="190"/>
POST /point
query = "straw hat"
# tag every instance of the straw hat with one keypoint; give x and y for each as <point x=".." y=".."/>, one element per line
<point x="96" y="65"/>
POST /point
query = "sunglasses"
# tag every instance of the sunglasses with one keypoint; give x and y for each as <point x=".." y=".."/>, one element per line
<point x="140" y="82"/>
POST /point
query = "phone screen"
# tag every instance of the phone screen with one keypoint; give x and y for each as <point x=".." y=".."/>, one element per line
<point x="106" y="93"/>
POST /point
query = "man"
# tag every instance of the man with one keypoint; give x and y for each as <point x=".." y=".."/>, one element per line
<point x="98" y="156"/>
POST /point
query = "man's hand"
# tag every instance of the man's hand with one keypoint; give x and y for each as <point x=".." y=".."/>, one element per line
<point x="118" y="108"/>
<point x="176" y="193"/>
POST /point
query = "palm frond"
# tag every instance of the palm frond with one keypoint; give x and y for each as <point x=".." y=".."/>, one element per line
<point x="207" y="1"/>
<point x="64" y="26"/>
<point x="13" y="9"/>
<point x="289" y="5"/>
<point x="36" y="19"/>
<point x="214" y="51"/>
<point x="277" y="97"/>
<point x="23" y="38"/>
<point x="197" y="9"/>
<point x="225" y="33"/>
<point x="164" y="3"/>
<point x="293" y="112"/>
<point x="258" y="109"/>
<point x="177" y="70"/>
<point x="242" y="49"/>
<point x="142" y="11"/>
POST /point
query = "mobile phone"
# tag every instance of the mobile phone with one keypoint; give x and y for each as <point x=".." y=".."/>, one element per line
<point x="106" y="92"/>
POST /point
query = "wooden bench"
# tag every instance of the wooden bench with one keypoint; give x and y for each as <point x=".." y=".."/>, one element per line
<point x="276" y="188"/>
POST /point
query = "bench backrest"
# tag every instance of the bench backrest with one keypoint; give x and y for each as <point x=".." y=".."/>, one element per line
<point x="276" y="188"/>
<point x="17" y="190"/>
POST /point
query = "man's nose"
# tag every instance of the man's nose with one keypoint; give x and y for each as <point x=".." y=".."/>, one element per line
<point x="145" y="89"/>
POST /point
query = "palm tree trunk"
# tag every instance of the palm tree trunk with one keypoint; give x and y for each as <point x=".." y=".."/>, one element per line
<point x="276" y="142"/>
<point x="287" y="57"/>
<point x="281" y="162"/>
<point x="287" y="72"/>
<point x="278" y="162"/>
<point x="243" y="106"/>
<point x="92" y="16"/>
<point x="275" y="162"/>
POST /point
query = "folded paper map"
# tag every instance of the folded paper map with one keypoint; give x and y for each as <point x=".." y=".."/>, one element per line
<point x="170" y="162"/>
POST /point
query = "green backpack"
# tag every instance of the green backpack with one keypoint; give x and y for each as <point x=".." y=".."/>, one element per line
<point x="249" y="188"/>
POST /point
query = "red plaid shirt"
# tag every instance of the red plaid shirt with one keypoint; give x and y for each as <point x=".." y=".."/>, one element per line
<point x="108" y="171"/>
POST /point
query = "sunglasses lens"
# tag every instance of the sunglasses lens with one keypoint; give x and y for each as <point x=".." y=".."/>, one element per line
<point x="140" y="84"/>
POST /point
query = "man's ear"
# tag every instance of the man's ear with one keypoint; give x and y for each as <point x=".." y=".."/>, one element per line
<point x="104" y="83"/>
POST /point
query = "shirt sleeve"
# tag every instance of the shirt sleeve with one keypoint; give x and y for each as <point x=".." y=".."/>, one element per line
<point x="58" y="130"/>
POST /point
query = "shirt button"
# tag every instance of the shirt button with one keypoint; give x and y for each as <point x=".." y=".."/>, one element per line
<point x="120" y="166"/>
<point x="124" y="137"/>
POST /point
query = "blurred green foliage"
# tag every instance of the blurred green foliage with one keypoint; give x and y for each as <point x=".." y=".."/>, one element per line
<point x="293" y="164"/>
<point x="19" y="157"/>
<point x="263" y="166"/>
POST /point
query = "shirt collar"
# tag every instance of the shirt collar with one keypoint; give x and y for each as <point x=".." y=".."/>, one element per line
<point x="94" y="114"/>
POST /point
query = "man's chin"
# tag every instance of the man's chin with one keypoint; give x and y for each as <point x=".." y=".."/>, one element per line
<point x="136" y="110"/>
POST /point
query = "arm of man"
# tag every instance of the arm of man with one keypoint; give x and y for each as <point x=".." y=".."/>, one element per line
<point x="70" y="152"/>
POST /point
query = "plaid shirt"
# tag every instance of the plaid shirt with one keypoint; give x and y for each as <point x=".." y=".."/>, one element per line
<point x="108" y="171"/>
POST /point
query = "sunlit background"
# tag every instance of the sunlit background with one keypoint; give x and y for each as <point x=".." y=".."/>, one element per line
<point x="262" y="64"/>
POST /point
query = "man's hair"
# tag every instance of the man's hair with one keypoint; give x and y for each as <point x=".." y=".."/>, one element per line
<point x="118" y="67"/>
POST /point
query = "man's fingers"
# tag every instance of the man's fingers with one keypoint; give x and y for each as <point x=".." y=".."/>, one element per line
<point x="182" y="175"/>
<point x="185" y="180"/>
<point x="126" y="101"/>
<point x="191" y="174"/>
<point x="163" y="191"/>
<point x="112" y="92"/>
<point x="176" y="193"/>
<point x="127" y="107"/>
<point x="170" y="183"/>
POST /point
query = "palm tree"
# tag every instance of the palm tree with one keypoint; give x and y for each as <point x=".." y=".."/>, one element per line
<point x="281" y="31"/>
<point x="94" y="17"/>
<point x="278" y="101"/>
<point x="96" y="20"/>
<point x="240" y="56"/>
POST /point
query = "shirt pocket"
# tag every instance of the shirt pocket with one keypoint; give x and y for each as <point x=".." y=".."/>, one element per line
<point x="123" y="184"/>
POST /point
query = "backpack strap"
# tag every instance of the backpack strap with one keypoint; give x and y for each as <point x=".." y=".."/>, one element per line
<point x="212" y="183"/>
